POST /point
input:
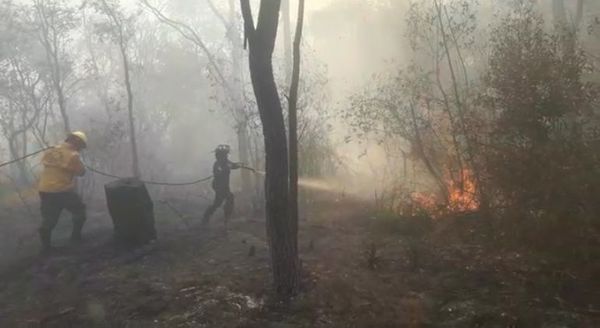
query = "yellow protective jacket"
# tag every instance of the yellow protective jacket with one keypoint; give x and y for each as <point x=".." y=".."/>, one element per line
<point x="61" y="165"/>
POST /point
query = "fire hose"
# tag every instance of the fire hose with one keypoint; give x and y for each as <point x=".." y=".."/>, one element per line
<point x="24" y="157"/>
<point x="149" y="182"/>
<point x="177" y="212"/>
<point x="189" y="183"/>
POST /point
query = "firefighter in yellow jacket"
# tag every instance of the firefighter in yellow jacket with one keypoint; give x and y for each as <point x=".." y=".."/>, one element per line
<point x="61" y="164"/>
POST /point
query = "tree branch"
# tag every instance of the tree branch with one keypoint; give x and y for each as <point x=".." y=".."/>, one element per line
<point x="248" y="21"/>
<point x="217" y="13"/>
<point x="190" y="34"/>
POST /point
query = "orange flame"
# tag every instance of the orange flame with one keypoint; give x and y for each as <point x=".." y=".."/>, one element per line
<point x="428" y="202"/>
<point x="461" y="199"/>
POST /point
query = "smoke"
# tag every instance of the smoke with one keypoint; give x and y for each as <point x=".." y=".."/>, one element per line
<point x="357" y="40"/>
<point x="181" y="111"/>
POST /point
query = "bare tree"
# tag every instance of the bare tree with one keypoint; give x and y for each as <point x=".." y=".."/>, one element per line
<point x="446" y="42"/>
<point x="24" y="104"/>
<point x="24" y="93"/>
<point x="281" y="230"/>
<point x="232" y="84"/>
<point x="54" y="21"/>
<point x="120" y="31"/>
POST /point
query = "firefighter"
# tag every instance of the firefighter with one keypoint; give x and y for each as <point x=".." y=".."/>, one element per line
<point x="61" y="164"/>
<point x="220" y="184"/>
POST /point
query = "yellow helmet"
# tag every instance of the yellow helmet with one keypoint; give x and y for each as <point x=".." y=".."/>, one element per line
<point x="81" y="136"/>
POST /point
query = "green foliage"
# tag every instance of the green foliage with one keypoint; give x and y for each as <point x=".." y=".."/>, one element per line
<point x="542" y="154"/>
<point x="527" y="126"/>
<point x="428" y="104"/>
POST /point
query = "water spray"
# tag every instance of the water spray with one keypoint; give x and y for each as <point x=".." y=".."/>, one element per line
<point x="308" y="183"/>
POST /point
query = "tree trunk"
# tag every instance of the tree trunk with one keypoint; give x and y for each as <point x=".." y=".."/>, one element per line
<point x="21" y="165"/>
<point x="287" y="40"/>
<point x="423" y="154"/>
<point x="62" y="104"/>
<point x="293" y="119"/>
<point x="460" y="108"/>
<point x="132" y="136"/>
<point x="122" y="43"/>
<point x="280" y="228"/>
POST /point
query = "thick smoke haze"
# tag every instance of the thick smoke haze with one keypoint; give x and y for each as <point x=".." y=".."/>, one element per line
<point x="400" y="163"/>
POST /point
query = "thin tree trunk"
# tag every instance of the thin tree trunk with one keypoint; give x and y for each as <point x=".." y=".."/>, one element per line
<point x="50" y="43"/>
<point x="287" y="40"/>
<point x="132" y="136"/>
<point x="458" y="52"/>
<point x="459" y="106"/>
<point x="22" y="168"/>
<point x="458" y="101"/>
<point x="293" y="118"/>
<point x="62" y="105"/>
<point x="102" y="90"/>
<point x="454" y="129"/>
<point x="238" y="90"/>
<point x="280" y="228"/>
<point x="421" y="149"/>
<point x="118" y="23"/>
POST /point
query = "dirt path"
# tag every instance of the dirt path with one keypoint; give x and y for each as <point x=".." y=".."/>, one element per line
<point x="361" y="271"/>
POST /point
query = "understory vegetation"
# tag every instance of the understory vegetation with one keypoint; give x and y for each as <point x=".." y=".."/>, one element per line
<point x="502" y="122"/>
<point x="423" y="163"/>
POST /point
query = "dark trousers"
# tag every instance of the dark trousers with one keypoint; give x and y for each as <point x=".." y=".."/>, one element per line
<point x="52" y="205"/>
<point x="220" y="197"/>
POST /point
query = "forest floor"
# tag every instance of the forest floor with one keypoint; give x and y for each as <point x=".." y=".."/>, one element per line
<point x="359" y="271"/>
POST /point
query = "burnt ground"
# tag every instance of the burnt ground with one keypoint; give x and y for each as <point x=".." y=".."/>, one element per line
<point x="360" y="270"/>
